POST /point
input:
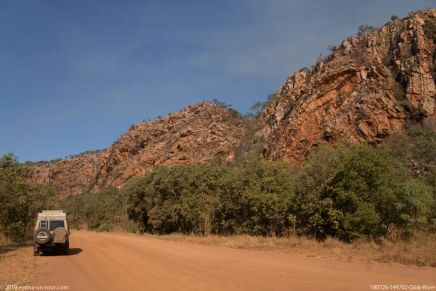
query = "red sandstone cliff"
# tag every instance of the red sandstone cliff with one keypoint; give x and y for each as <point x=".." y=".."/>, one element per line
<point x="197" y="134"/>
<point x="367" y="88"/>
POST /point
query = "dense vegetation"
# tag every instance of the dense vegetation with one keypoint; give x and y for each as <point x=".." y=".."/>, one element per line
<point x="247" y="197"/>
<point x="20" y="200"/>
<point x="345" y="192"/>
<point x="358" y="190"/>
<point x="99" y="211"/>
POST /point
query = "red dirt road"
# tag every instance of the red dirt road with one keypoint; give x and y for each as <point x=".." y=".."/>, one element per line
<point x="102" y="261"/>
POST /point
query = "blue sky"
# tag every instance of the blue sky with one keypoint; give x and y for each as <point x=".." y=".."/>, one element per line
<point x="74" y="75"/>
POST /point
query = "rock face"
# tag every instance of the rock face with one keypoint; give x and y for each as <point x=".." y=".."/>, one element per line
<point x="364" y="90"/>
<point x="367" y="88"/>
<point x="197" y="134"/>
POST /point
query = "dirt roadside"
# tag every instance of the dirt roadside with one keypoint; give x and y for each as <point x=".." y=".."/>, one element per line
<point x="18" y="266"/>
<point x="108" y="261"/>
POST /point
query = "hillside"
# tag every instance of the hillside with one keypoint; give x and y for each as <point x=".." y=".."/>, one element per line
<point x="197" y="134"/>
<point x="367" y="88"/>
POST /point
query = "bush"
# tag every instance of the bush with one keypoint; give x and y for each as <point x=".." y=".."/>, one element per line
<point x="346" y="192"/>
<point x="252" y="197"/>
<point x="20" y="200"/>
<point x="415" y="148"/>
<point x="365" y="30"/>
<point x="97" y="211"/>
<point x="357" y="191"/>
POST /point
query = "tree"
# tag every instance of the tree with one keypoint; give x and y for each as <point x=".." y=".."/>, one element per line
<point x="365" y="30"/>
<point x="20" y="200"/>
<point x="357" y="190"/>
<point x="250" y="196"/>
<point x="415" y="148"/>
<point x="97" y="211"/>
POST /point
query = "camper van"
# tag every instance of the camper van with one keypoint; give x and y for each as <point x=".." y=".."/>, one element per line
<point x="51" y="232"/>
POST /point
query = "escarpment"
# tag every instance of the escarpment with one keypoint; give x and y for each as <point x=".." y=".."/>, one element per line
<point x="367" y="88"/>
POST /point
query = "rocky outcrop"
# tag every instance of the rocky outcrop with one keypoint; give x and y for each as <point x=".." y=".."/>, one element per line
<point x="367" y="88"/>
<point x="198" y="134"/>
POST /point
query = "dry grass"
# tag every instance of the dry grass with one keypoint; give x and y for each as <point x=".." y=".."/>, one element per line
<point x="419" y="250"/>
<point x="5" y="243"/>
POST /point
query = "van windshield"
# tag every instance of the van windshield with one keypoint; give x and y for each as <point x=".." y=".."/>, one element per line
<point x="56" y="223"/>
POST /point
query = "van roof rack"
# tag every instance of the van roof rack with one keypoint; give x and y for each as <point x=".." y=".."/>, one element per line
<point x="52" y="211"/>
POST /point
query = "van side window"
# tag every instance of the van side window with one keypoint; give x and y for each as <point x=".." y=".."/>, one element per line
<point x="43" y="224"/>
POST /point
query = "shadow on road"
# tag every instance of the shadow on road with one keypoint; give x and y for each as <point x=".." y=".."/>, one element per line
<point x="74" y="251"/>
<point x="71" y="252"/>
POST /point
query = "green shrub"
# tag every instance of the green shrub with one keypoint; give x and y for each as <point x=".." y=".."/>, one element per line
<point x="250" y="197"/>
<point x="415" y="148"/>
<point x="357" y="191"/>
<point x="20" y="200"/>
<point x="97" y="211"/>
<point x="344" y="192"/>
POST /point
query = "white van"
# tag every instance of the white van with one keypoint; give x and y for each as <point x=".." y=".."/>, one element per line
<point x="51" y="232"/>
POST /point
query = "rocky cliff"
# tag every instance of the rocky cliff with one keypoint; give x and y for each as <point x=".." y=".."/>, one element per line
<point x="197" y="134"/>
<point x="367" y="88"/>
